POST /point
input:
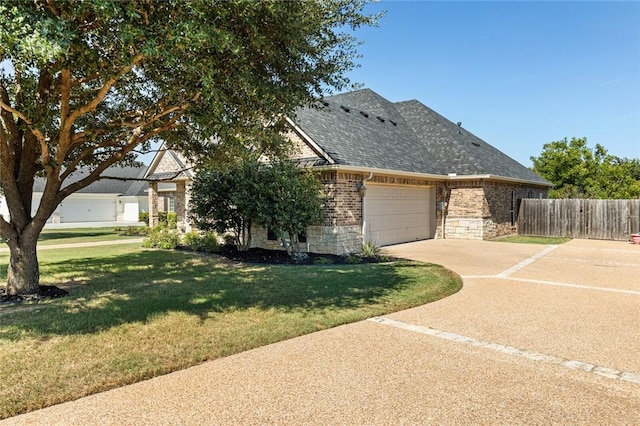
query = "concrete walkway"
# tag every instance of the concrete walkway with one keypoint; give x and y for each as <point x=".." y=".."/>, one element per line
<point x="537" y="335"/>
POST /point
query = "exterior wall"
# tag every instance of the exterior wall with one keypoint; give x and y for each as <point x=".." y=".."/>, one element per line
<point x="343" y="205"/>
<point x="338" y="240"/>
<point x="481" y="210"/>
<point x="341" y="229"/>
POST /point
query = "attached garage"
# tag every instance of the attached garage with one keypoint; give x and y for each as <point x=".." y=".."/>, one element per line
<point x="88" y="210"/>
<point x="398" y="214"/>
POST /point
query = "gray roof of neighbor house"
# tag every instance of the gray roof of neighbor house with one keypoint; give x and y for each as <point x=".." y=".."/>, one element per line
<point x="363" y="129"/>
<point x="106" y="185"/>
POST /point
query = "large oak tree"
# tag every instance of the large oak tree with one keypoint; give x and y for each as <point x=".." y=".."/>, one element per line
<point x="88" y="84"/>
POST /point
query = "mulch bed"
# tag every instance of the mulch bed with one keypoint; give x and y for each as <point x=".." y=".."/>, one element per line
<point x="280" y="257"/>
<point x="45" y="292"/>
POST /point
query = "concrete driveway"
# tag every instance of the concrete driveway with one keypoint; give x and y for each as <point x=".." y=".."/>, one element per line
<point x="537" y="335"/>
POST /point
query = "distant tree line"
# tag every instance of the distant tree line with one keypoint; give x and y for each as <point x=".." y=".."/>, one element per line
<point x="578" y="171"/>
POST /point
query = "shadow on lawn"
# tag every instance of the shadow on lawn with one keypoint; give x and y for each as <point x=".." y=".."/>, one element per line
<point x="135" y="287"/>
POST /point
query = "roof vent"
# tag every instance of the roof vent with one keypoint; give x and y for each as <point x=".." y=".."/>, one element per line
<point x="475" y="143"/>
<point x="393" y="122"/>
<point x="325" y="103"/>
<point x="364" y="114"/>
<point x="345" y="109"/>
<point x="380" y="118"/>
<point x="459" y="124"/>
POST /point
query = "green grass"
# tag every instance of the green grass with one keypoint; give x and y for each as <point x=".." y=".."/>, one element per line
<point x="133" y="314"/>
<point x="523" y="239"/>
<point x="83" y="235"/>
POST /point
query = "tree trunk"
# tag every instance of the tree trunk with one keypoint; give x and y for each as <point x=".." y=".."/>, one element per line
<point x="23" y="275"/>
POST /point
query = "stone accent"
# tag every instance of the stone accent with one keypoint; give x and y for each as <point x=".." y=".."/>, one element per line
<point x="167" y="164"/>
<point x="153" y="204"/>
<point x="339" y="240"/>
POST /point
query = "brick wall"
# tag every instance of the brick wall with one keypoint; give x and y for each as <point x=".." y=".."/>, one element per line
<point x="343" y="204"/>
<point x="483" y="209"/>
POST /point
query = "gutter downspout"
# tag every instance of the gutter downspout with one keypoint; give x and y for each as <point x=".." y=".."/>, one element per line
<point x="363" y="193"/>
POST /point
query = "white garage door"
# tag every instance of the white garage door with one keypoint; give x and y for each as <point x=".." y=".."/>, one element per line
<point x="88" y="210"/>
<point x="396" y="214"/>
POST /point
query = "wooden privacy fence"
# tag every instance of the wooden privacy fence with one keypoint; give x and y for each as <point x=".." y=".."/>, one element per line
<point x="572" y="218"/>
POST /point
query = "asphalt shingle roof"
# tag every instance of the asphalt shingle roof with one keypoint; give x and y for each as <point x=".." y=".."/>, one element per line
<point x="105" y="185"/>
<point x="363" y="129"/>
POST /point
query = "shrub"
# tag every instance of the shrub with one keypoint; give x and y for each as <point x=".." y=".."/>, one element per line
<point x="323" y="261"/>
<point x="144" y="217"/>
<point x="162" y="219"/>
<point x="162" y="238"/>
<point x="134" y="230"/>
<point x="207" y="242"/>
<point x="352" y="259"/>
<point x="172" y="220"/>
<point x="370" y="249"/>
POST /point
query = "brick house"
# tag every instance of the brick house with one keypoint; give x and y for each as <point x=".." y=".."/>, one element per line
<point x="393" y="173"/>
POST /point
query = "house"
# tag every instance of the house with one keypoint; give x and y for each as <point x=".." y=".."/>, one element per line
<point x="393" y="172"/>
<point x="105" y="200"/>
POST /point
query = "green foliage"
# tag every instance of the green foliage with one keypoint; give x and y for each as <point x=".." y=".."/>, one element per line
<point x="91" y="83"/>
<point x="162" y="238"/>
<point x="278" y="196"/>
<point x="289" y="202"/>
<point x="206" y="242"/>
<point x="172" y="220"/>
<point x="352" y="259"/>
<point x="144" y="217"/>
<point x="370" y="249"/>
<point x="578" y="171"/>
<point x="224" y="199"/>
<point x="134" y="230"/>
<point x="323" y="261"/>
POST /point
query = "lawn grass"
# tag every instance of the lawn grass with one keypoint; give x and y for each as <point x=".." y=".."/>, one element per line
<point x="84" y="235"/>
<point x="133" y="314"/>
<point x="524" y="239"/>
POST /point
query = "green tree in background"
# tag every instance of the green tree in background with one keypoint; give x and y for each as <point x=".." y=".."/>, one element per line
<point x="88" y="84"/>
<point x="578" y="171"/>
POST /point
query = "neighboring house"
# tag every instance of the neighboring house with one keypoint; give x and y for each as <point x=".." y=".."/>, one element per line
<point x="394" y="172"/>
<point x="106" y="200"/>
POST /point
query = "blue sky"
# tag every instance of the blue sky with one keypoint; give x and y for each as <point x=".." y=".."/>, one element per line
<point x="516" y="74"/>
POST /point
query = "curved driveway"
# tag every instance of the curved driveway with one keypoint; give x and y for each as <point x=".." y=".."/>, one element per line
<point x="537" y="335"/>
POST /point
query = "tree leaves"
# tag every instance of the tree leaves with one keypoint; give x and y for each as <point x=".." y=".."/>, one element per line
<point x="578" y="171"/>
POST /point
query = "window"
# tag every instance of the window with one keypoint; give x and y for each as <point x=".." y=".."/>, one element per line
<point x="171" y="204"/>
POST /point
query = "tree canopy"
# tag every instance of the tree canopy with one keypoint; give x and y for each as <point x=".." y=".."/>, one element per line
<point x="578" y="171"/>
<point x="91" y="83"/>
<point x="277" y="196"/>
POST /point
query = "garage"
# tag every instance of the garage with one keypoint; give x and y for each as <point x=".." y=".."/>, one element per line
<point x="398" y="214"/>
<point x="88" y="210"/>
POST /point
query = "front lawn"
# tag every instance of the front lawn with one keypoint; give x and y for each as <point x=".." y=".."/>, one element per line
<point x="133" y="314"/>
<point x="84" y="235"/>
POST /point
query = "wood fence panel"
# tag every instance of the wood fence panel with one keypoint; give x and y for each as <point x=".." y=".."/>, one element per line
<point x="574" y="218"/>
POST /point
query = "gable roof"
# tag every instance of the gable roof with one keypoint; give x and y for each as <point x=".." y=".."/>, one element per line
<point x="173" y="165"/>
<point x="106" y="185"/>
<point x="363" y="129"/>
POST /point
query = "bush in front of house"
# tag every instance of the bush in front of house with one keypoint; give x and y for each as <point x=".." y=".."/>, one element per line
<point x="206" y="242"/>
<point x="144" y="217"/>
<point x="162" y="238"/>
